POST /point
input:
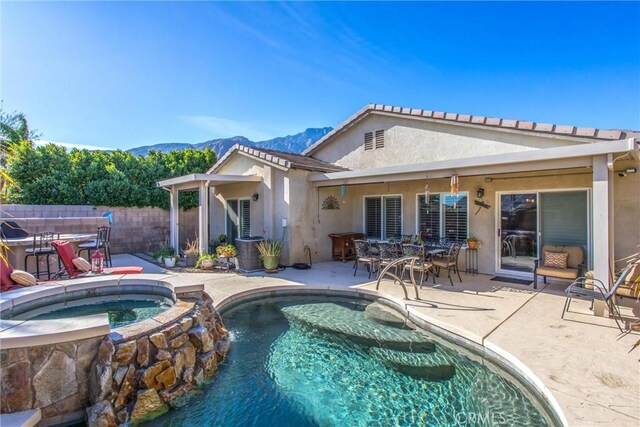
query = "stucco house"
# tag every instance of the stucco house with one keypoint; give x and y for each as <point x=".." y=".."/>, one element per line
<point x="521" y="185"/>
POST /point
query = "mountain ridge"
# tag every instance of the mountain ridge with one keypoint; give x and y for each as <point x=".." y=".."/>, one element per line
<point x="295" y="143"/>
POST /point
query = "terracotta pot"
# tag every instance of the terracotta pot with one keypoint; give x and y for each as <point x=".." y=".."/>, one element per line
<point x="270" y="262"/>
<point x="226" y="255"/>
<point x="472" y="245"/>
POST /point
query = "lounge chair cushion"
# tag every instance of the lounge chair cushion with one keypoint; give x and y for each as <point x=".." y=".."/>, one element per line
<point x="124" y="270"/>
<point x="82" y="264"/>
<point x="562" y="273"/>
<point x="555" y="259"/>
<point x="23" y="278"/>
<point x="442" y="263"/>
<point x="6" y="282"/>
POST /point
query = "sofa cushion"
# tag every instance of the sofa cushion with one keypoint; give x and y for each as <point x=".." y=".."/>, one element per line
<point x="576" y="254"/>
<point x="555" y="259"/>
<point x="562" y="273"/>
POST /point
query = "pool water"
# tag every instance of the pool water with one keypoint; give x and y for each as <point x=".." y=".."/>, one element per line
<point x="120" y="312"/>
<point x="330" y="363"/>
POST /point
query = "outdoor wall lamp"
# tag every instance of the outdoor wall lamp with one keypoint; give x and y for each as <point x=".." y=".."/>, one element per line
<point x="480" y="193"/>
<point x="255" y="197"/>
<point x="624" y="173"/>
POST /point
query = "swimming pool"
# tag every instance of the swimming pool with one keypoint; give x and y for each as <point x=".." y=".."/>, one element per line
<point x="338" y="362"/>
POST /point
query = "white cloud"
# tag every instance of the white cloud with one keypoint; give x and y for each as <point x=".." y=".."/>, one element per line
<point x="220" y="127"/>
<point x="70" y="145"/>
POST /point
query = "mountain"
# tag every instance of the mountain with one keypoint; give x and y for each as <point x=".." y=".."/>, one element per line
<point x="294" y="143"/>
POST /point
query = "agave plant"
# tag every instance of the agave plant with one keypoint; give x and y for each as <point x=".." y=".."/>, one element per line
<point x="270" y="248"/>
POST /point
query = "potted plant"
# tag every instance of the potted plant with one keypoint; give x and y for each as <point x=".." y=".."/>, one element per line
<point x="220" y="241"/>
<point x="162" y="252"/>
<point x="170" y="260"/>
<point x="473" y="242"/>
<point x="191" y="252"/>
<point x="226" y="251"/>
<point x="270" y="251"/>
<point x="206" y="261"/>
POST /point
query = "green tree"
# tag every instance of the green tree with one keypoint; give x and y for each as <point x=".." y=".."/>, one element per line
<point x="14" y="130"/>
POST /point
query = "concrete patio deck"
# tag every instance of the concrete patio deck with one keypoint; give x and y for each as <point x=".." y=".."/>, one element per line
<point x="582" y="359"/>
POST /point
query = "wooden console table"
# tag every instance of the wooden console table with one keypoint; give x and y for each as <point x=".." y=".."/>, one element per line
<point x="342" y="245"/>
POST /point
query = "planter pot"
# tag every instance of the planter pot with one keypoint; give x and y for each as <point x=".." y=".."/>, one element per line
<point x="207" y="264"/>
<point x="270" y="262"/>
<point x="191" y="261"/>
<point x="169" y="262"/>
<point x="472" y="245"/>
<point x="226" y="255"/>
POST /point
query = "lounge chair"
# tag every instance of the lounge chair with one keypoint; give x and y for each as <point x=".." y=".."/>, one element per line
<point x="66" y="255"/>
<point x="594" y="289"/>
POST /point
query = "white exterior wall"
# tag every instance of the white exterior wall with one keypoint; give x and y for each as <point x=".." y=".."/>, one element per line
<point x="410" y="141"/>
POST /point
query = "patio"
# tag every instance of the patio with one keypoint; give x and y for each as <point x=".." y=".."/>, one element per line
<point x="580" y="359"/>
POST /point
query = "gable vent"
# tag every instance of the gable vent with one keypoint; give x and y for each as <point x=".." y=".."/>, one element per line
<point x="379" y="139"/>
<point x="368" y="141"/>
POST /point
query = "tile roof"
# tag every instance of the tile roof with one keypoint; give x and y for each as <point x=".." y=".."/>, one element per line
<point x="492" y="122"/>
<point x="282" y="158"/>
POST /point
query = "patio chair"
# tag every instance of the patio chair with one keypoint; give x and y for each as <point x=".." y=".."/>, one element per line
<point x="66" y="255"/>
<point x="389" y="252"/>
<point x="423" y="265"/>
<point x="449" y="262"/>
<point x="594" y="289"/>
<point x="41" y="248"/>
<point x="103" y="236"/>
<point x="364" y="256"/>
<point x="406" y="239"/>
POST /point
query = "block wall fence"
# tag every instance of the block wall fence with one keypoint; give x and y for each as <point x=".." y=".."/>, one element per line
<point x="133" y="229"/>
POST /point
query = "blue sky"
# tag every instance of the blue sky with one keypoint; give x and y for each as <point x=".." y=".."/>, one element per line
<point x="125" y="74"/>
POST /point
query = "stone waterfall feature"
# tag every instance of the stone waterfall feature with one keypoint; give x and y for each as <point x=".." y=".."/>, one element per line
<point x="142" y="374"/>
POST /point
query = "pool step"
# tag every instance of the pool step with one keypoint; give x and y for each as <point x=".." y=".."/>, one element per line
<point x="385" y="316"/>
<point x="357" y="327"/>
<point x="417" y="365"/>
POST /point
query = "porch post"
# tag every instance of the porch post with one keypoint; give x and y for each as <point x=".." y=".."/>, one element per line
<point x="174" y="214"/>
<point x="602" y="222"/>
<point x="203" y="217"/>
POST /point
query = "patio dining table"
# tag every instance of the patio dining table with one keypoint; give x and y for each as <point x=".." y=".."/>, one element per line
<point x="18" y="247"/>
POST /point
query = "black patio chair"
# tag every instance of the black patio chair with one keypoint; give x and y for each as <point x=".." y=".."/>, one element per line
<point x="423" y="265"/>
<point x="41" y="247"/>
<point x="449" y="262"/>
<point x="103" y="236"/>
<point x="365" y="256"/>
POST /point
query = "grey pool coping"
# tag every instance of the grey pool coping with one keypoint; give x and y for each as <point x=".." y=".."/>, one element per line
<point x="494" y="353"/>
<point x="30" y="333"/>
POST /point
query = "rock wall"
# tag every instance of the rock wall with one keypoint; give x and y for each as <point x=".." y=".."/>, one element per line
<point x="140" y="377"/>
<point x="54" y="378"/>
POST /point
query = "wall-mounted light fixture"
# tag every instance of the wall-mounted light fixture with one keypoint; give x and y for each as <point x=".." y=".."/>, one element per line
<point x="255" y="197"/>
<point x="480" y="193"/>
<point x="624" y="172"/>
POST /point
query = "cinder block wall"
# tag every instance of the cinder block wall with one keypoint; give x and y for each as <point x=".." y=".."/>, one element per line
<point x="133" y="229"/>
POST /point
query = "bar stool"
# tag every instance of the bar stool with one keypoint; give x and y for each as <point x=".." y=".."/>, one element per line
<point x="102" y="242"/>
<point x="42" y="248"/>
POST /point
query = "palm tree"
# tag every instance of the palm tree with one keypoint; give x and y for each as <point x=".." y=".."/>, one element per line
<point x="14" y="130"/>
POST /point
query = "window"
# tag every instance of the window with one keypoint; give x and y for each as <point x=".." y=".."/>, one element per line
<point x="238" y="219"/>
<point x="383" y="216"/>
<point x="446" y="216"/>
<point x="369" y="140"/>
<point x="429" y="217"/>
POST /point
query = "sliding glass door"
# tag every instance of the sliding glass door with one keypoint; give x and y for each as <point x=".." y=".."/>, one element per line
<point x="518" y="232"/>
<point x="529" y="221"/>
